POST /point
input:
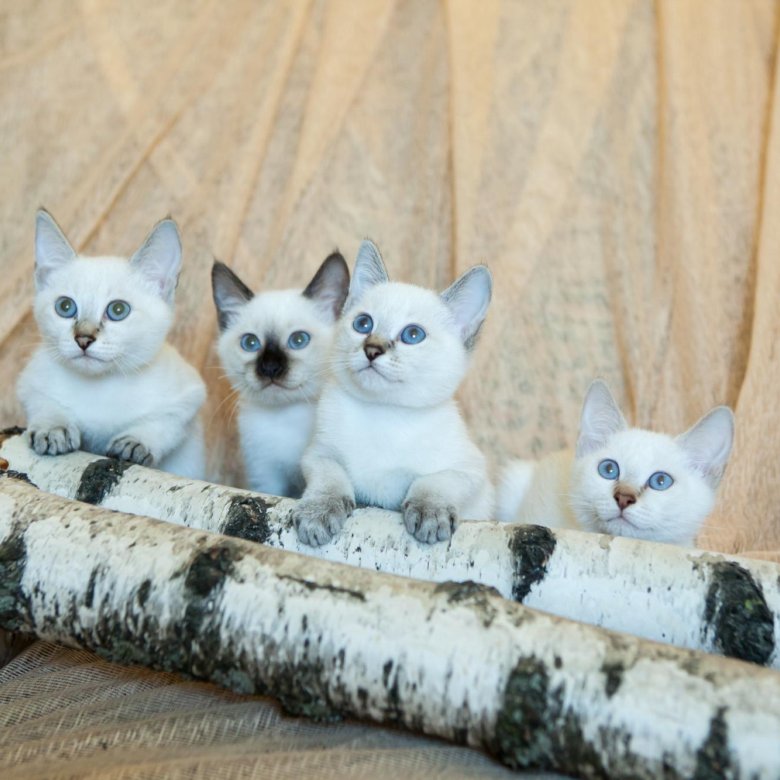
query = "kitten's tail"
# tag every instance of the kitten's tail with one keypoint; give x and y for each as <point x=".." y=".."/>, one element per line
<point x="513" y="483"/>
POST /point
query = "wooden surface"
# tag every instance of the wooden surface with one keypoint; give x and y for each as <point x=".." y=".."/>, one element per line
<point x="615" y="163"/>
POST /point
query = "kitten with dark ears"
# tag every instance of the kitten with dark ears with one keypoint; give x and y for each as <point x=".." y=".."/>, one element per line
<point x="623" y="481"/>
<point x="104" y="377"/>
<point x="273" y="347"/>
<point x="388" y="431"/>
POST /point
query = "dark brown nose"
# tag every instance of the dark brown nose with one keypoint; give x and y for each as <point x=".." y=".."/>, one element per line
<point x="84" y="340"/>
<point x="373" y="350"/>
<point x="624" y="499"/>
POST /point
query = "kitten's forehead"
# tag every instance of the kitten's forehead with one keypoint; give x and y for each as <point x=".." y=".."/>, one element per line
<point x="98" y="279"/>
<point x="394" y="304"/>
<point x="639" y="453"/>
<point x="278" y="310"/>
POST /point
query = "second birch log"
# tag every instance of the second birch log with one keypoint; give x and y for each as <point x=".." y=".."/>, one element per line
<point x="454" y="659"/>
<point x="689" y="598"/>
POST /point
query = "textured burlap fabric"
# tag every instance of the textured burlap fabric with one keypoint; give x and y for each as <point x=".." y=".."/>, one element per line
<point x="615" y="162"/>
<point x="65" y="713"/>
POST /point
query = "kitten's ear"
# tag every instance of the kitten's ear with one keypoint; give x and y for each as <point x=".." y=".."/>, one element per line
<point x="229" y="292"/>
<point x="369" y="270"/>
<point x="330" y="285"/>
<point x="52" y="249"/>
<point x="468" y="298"/>
<point x="159" y="258"/>
<point x="708" y="443"/>
<point x="601" y="417"/>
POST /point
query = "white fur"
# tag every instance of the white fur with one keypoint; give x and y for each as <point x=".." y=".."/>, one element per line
<point x="389" y="433"/>
<point x="275" y="419"/>
<point x="566" y="489"/>
<point x="130" y="394"/>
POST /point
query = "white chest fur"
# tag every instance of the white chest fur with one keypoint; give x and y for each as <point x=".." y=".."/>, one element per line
<point x="384" y="448"/>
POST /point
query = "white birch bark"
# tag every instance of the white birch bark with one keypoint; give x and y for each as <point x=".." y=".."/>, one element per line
<point x="453" y="660"/>
<point x="688" y="598"/>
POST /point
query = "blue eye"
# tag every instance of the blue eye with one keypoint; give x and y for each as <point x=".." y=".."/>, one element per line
<point x="117" y="310"/>
<point x="660" y="481"/>
<point x="298" y="340"/>
<point x="412" y="334"/>
<point x="609" y="469"/>
<point x="250" y="342"/>
<point x="65" y="307"/>
<point x="363" y="323"/>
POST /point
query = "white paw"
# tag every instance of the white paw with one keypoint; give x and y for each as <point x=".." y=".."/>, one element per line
<point x="54" y="441"/>
<point x="130" y="449"/>
<point x="429" y="521"/>
<point x="318" y="520"/>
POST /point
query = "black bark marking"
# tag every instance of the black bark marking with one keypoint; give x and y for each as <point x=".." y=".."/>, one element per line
<point x="531" y="547"/>
<point x="472" y="594"/>
<point x="14" y="602"/>
<point x="99" y="479"/>
<point x="536" y="730"/>
<point x="90" y="596"/>
<point x="309" y="585"/>
<point x="143" y="592"/>
<point x="613" y="672"/>
<point x="20" y="475"/>
<point x="737" y="615"/>
<point x="247" y="518"/>
<point x="713" y="760"/>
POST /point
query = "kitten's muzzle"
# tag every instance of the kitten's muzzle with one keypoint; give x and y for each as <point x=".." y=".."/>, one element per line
<point x="373" y="348"/>
<point x="272" y="362"/>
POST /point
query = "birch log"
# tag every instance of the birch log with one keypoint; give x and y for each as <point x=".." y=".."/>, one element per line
<point x="451" y="659"/>
<point x="689" y="598"/>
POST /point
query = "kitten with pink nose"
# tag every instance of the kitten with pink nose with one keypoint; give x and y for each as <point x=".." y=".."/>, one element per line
<point x="388" y="432"/>
<point x="623" y="481"/>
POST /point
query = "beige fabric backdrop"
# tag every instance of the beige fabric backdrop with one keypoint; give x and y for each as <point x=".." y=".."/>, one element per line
<point x="616" y="163"/>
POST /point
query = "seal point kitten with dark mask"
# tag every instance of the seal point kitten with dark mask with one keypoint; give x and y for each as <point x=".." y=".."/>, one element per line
<point x="274" y="348"/>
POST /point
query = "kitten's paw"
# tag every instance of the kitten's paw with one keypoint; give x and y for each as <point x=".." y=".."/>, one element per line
<point x="429" y="521"/>
<point x="318" y="520"/>
<point x="130" y="449"/>
<point x="54" y="441"/>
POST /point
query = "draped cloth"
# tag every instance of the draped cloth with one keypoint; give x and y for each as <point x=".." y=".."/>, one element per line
<point x="616" y="163"/>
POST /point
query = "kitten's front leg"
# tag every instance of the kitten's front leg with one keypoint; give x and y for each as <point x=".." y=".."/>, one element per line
<point x="329" y="499"/>
<point x="49" y="436"/>
<point x="432" y="505"/>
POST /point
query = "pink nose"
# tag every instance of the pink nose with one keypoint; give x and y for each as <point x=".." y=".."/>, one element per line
<point x="373" y="351"/>
<point x="84" y="341"/>
<point x="624" y="499"/>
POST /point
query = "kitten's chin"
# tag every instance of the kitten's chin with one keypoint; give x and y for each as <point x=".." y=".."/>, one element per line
<point x="280" y="394"/>
<point x="89" y="365"/>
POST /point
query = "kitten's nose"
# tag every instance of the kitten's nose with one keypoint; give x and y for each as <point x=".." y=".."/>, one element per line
<point x="623" y="499"/>
<point x="373" y="350"/>
<point x="84" y="340"/>
<point x="272" y="362"/>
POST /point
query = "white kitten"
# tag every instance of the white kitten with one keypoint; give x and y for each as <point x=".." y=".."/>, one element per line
<point x="104" y="378"/>
<point x="274" y="348"/>
<point x="388" y="432"/>
<point x="623" y="481"/>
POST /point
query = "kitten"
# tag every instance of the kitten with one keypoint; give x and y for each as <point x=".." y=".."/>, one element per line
<point x="104" y="378"/>
<point x="388" y="432"/>
<point x="273" y="347"/>
<point x="623" y="481"/>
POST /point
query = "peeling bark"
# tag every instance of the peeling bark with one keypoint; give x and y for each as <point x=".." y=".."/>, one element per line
<point x="689" y="598"/>
<point x="451" y="659"/>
